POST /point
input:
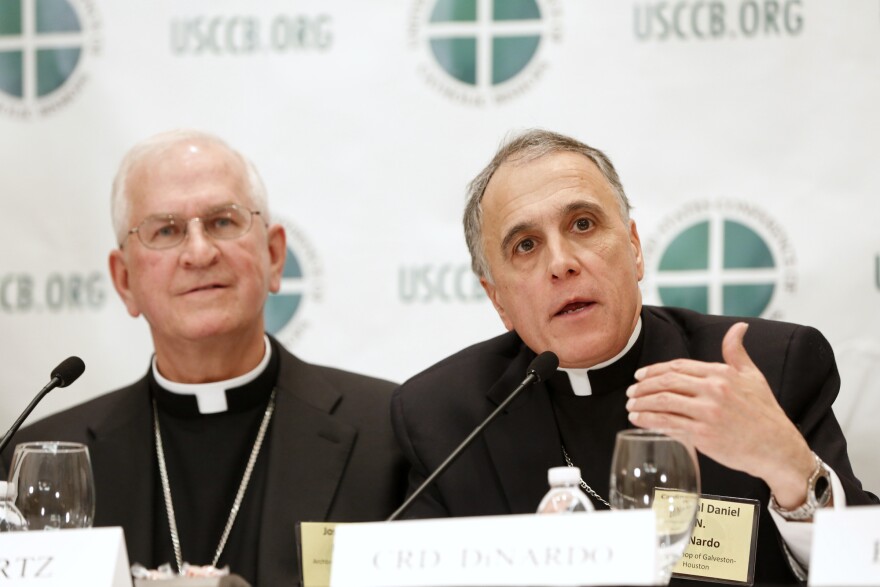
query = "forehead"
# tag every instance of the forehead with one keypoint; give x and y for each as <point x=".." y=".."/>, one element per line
<point x="187" y="176"/>
<point x="520" y="191"/>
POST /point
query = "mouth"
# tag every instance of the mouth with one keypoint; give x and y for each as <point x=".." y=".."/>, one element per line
<point x="201" y="288"/>
<point x="575" y="307"/>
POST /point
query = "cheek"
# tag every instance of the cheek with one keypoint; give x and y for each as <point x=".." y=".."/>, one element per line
<point x="150" y="274"/>
<point x="520" y="301"/>
<point x="253" y="266"/>
<point x="620" y="260"/>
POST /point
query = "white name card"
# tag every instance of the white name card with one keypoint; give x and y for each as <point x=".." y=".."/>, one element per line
<point x="61" y="558"/>
<point x="846" y="547"/>
<point x="598" y="548"/>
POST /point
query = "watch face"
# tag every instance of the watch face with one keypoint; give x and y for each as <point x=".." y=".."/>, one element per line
<point x="822" y="490"/>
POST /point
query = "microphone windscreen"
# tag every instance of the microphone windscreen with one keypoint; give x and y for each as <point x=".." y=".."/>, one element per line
<point x="543" y="365"/>
<point x="69" y="370"/>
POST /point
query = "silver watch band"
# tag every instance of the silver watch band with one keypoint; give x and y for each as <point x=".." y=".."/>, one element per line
<point x="818" y="494"/>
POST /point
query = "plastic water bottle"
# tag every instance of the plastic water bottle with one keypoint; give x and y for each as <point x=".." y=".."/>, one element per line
<point x="11" y="519"/>
<point x="565" y="496"/>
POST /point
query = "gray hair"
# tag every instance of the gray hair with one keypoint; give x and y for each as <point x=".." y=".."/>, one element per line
<point x="161" y="143"/>
<point x="524" y="148"/>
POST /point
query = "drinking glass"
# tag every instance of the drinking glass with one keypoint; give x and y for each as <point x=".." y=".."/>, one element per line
<point x="652" y="470"/>
<point x="54" y="485"/>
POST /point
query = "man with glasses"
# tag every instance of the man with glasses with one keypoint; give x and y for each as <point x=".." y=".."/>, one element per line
<point x="229" y="440"/>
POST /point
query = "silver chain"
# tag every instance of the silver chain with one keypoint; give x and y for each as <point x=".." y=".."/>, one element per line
<point x="239" y="496"/>
<point x="586" y="487"/>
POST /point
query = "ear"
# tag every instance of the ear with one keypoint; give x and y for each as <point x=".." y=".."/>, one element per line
<point x="636" y="244"/>
<point x="120" y="275"/>
<point x="277" y="244"/>
<point x="492" y="293"/>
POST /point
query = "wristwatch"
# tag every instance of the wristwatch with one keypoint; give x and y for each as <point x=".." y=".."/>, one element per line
<point x="818" y="494"/>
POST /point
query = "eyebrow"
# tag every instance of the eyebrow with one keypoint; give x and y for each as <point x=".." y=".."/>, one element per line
<point x="514" y="232"/>
<point x="583" y="206"/>
<point x="567" y="210"/>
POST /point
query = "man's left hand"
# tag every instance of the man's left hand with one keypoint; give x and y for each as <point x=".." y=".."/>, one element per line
<point x="728" y="412"/>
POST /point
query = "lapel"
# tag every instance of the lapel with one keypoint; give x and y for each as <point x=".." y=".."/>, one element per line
<point x="664" y="341"/>
<point x="308" y="452"/>
<point x="523" y="441"/>
<point x="124" y="469"/>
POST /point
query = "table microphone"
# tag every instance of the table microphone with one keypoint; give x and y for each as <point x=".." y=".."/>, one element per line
<point x="63" y="375"/>
<point x="539" y="369"/>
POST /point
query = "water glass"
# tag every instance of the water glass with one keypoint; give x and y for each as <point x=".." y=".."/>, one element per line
<point x="54" y="484"/>
<point x="652" y="470"/>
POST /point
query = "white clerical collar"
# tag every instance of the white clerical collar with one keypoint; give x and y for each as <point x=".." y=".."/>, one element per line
<point x="580" y="379"/>
<point x="211" y="397"/>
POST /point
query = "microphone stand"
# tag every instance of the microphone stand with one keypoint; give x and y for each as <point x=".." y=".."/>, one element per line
<point x="529" y="380"/>
<point x="27" y="411"/>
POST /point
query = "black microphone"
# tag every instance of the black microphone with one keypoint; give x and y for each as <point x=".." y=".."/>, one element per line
<point x="539" y="369"/>
<point x="63" y="375"/>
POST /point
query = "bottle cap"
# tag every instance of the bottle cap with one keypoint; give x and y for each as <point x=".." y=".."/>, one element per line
<point x="563" y="475"/>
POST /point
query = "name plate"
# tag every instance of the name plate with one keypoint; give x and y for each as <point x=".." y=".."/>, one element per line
<point x="597" y="548"/>
<point x="61" y="558"/>
<point x="315" y="552"/>
<point x="723" y="543"/>
<point x="846" y="547"/>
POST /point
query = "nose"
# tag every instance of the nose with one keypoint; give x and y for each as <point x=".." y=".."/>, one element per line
<point x="198" y="249"/>
<point x="563" y="261"/>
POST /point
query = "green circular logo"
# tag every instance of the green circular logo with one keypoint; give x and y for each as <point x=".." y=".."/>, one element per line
<point x="41" y="43"/>
<point x="484" y="52"/>
<point x="724" y="257"/>
<point x="45" y="46"/>
<point x="483" y="43"/>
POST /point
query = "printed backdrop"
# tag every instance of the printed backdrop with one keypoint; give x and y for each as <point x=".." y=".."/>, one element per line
<point x="746" y="133"/>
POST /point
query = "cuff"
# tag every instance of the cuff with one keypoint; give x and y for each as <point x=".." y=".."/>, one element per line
<point x="797" y="537"/>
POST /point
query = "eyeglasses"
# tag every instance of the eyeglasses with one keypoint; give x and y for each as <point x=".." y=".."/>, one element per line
<point x="164" y="231"/>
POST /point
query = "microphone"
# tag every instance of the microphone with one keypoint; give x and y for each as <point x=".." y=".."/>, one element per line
<point x="63" y="375"/>
<point x="539" y="369"/>
<point x="68" y="371"/>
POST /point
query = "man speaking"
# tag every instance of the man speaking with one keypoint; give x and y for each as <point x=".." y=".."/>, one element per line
<point x="548" y="227"/>
<point x="228" y="440"/>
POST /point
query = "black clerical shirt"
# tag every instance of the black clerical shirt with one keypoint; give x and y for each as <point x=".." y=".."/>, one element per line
<point x="206" y="456"/>
<point x="588" y="425"/>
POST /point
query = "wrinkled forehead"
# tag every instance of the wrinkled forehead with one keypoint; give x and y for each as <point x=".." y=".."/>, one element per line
<point x="527" y="185"/>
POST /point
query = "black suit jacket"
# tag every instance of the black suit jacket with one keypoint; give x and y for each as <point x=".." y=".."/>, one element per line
<point x="504" y="472"/>
<point x="332" y="456"/>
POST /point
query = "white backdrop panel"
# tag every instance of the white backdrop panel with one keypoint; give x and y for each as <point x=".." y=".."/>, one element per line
<point x="366" y="144"/>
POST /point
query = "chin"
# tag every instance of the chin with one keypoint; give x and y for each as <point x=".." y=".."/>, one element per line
<point x="576" y="363"/>
<point x="204" y="330"/>
<point x="582" y="360"/>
